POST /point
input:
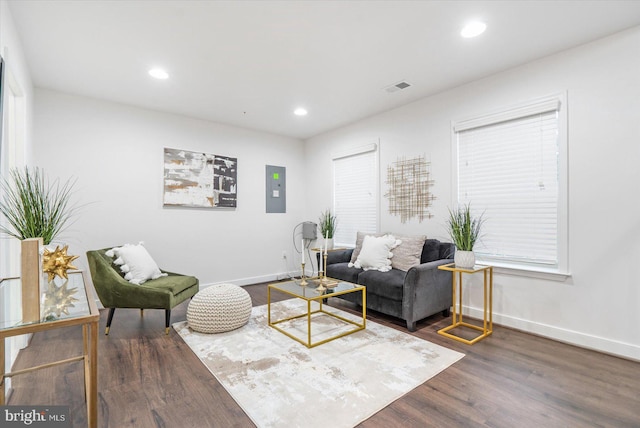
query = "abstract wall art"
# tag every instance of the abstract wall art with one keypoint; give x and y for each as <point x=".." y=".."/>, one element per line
<point x="409" y="191"/>
<point x="201" y="180"/>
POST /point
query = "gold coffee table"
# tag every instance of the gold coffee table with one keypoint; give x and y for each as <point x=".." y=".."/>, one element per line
<point x="309" y="294"/>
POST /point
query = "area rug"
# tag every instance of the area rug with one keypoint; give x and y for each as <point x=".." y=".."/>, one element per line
<point x="280" y="383"/>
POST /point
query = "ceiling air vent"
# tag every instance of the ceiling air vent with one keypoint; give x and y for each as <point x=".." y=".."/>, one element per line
<point x="398" y="86"/>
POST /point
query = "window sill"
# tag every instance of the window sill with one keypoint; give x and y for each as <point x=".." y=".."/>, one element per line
<point x="527" y="271"/>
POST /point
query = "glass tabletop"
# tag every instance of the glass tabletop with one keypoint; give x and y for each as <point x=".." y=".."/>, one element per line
<point x="453" y="268"/>
<point x="309" y="291"/>
<point x="63" y="300"/>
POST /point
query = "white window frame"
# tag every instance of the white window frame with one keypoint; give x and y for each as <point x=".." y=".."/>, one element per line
<point x="560" y="271"/>
<point x="12" y="156"/>
<point x="345" y="239"/>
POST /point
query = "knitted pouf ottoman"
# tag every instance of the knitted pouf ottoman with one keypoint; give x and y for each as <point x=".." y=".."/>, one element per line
<point x="219" y="308"/>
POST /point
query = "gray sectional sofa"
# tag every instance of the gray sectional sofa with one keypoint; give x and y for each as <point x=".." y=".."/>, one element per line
<point x="420" y="292"/>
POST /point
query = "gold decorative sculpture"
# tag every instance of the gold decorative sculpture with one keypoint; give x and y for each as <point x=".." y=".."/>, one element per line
<point x="57" y="262"/>
<point x="58" y="300"/>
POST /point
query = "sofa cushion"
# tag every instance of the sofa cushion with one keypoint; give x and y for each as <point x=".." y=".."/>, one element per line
<point x="174" y="284"/>
<point x="384" y="284"/>
<point x="343" y="272"/>
<point x="408" y="253"/>
<point x="430" y="251"/>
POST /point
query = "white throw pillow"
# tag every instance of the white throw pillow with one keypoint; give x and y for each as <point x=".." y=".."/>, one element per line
<point x="136" y="262"/>
<point x="359" y="239"/>
<point x="376" y="253"/>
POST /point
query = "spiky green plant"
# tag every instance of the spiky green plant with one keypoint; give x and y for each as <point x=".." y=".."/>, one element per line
<point x="463" y="228"/>
<point x="328" y="223"/>
<point x="33" y="207"/>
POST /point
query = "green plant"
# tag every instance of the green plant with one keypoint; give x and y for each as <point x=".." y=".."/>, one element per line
<point x="463" y="228"/>
<point x="328" y="223"/>
<point x="33" y="207"/>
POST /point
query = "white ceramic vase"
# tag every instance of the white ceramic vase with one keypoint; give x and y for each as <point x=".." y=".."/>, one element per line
<point x="329" y="243"/>
<point x="464" y="259"/>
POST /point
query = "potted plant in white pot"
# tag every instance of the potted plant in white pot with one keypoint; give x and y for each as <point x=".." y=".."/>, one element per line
<point x="34" y="207"/>
<point x="36" y="212"/>
<point x="328" y="223"/>
<point x="464" y="230"/>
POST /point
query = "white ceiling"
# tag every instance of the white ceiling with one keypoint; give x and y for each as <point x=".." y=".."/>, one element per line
<point x="250" y="63"/>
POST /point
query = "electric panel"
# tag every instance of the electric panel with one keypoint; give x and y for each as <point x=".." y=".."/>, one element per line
<point x="276" y="179"/>
<point x="309" y="230"/>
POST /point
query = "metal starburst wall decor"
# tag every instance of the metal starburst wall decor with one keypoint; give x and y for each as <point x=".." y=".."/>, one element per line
<point x="409" y="191"/>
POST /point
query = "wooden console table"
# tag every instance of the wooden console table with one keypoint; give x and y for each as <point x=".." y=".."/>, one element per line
<point x="84" y="312"/>
<point x="456" y="277"/>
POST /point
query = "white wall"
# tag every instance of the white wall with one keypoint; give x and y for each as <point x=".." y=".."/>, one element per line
<point x="15" y="151"/>
<point x="116" y="153"/>
<point x="599" y="305"/>
<point x="16" y="67"/>
<point x="13" y="55"/>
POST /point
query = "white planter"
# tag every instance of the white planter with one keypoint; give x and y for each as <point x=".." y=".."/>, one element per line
<point x="464" y="259"/>
<point x="329" y="243"/>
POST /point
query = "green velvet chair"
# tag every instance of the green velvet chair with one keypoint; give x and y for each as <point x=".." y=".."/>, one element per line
<point x="115" y="292"/>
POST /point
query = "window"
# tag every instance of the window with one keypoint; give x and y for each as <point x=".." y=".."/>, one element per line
<point x="511" y="166"/>
<point x="11" y="156"/>
<point x="355" y="193"/>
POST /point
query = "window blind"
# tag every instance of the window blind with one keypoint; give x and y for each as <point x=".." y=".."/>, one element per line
<point x="509" y="171"/>
<point x="355" y="195"/>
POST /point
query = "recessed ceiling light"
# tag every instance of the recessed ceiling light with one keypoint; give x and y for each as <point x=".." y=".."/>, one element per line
<point x="158" y="73"/>
<point x="300" y="111"/>
<point x="473" y="29"/>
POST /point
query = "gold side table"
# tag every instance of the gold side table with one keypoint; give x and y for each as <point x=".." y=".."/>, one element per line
<point x="456" y="279"/>
<point x="83" y="311"/>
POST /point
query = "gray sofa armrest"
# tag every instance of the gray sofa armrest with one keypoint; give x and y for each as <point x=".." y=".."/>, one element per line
<point x="425" y="267"/>
<point x="426" y="291"/>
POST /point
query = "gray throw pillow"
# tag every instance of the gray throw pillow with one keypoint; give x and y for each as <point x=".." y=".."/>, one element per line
<point x="407" y="254"/>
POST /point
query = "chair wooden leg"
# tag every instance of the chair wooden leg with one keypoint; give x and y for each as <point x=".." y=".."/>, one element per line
<point x="109" y="319"/>
<point x="167" y="320"/>
<point x="141" y="312"/>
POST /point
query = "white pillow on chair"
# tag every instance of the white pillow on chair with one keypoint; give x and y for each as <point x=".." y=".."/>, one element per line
<point x="136" y="262"/>
<point x="376" y="253"/>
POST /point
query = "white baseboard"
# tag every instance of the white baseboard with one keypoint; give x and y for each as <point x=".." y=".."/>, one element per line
<point x="240" y="281"/>
<point x="596" y="343"/>
<point x="254" y="279"/>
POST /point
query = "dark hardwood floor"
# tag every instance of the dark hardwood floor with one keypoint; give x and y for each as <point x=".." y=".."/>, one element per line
<point x="511" y="379"/>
